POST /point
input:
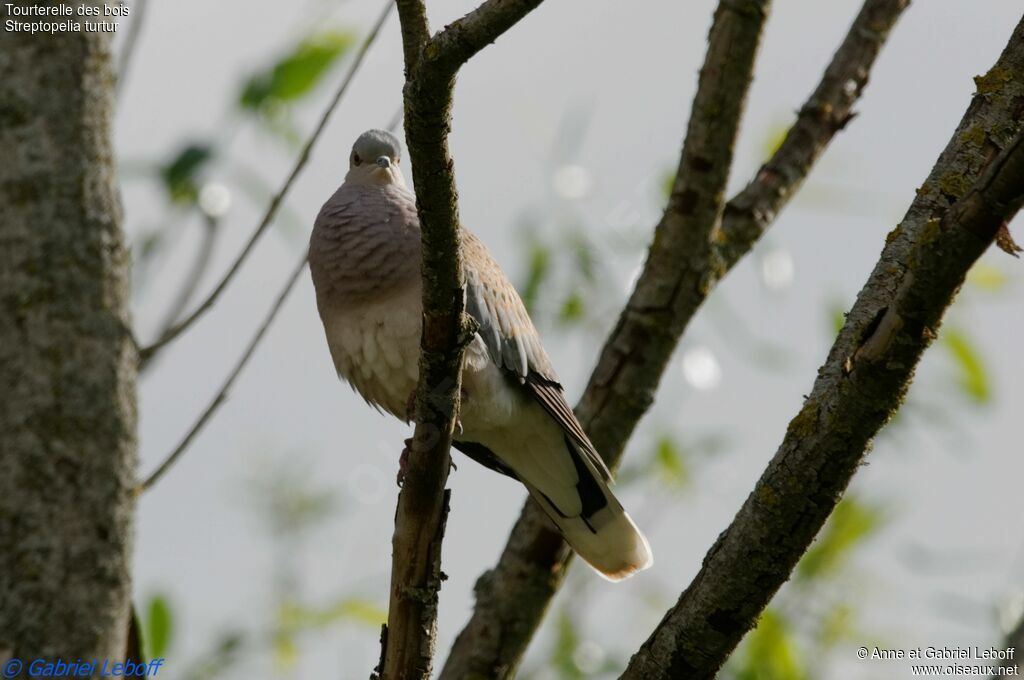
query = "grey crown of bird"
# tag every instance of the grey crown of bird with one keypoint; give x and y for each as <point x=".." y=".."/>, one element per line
<point x="365" y="259"/>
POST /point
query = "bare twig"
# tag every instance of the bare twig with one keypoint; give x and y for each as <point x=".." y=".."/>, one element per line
<point x="431" y="65"/>
<point x="222" y="393"/>
<point x="131" y="42"/>
<point x="677" y="278"/>
<point x="146" y="354"/>
<point x="827" y="111"/>
<point x="203" y="257"/>
<point x="462" y="39"/>
<point x="396" y="119"/>
<point x="858" y="389"/>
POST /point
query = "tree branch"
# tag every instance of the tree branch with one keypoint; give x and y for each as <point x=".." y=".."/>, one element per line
<point x="431" y="64"/>
<point x="200" y="263"/>
<point x="462" y="39"/>
<point x="512" y="597"/>
<point x="131" y="43"/>
<point x="861" y="385"/>
<point x="169" y="335"/>
<point x="68" y="424"/>
<point x="749" y="214"/>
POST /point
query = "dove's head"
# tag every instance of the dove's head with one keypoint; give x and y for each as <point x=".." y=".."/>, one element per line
<point x="374" y="159"/>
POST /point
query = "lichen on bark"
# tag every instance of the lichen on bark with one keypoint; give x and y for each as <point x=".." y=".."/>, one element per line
<point x="67" y="364"/>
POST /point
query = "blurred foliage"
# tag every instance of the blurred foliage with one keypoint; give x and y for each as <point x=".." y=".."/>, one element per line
<point x="567" y="271"/>
<point x="181" y="174"/>
<point x="566" y="643"/>
<point x="268" y="97"/>
<point x="296" y="73"/>
<point x="813" y="613"/>
<point x="351" y="609"/>
<point x="670" y="459"/>
<point x="289" y="503"/>
<point x="668" y="180"/>
<point x="227" y="652"/>
<point x="851" y="522"/>
<point x="584" y="257"/>
<point x="769" y="652"/>
<point x="671" y="463"/>
<point x="987" y="278"/>
<point x="573" y="308"/>
<point x="538" y="269"/>
<point x="837" y="317"/>
<point x="973" y="377"/>
<point x="158" y="628"/>
<point x="295" y="620"/>
<point x="774" y="136"/>
<point x="571" y="656"/>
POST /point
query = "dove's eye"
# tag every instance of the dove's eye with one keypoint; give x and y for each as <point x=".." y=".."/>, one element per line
<point x="356" y="159"/>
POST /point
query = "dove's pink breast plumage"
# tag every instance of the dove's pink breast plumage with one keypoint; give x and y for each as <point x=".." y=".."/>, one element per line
<point x="376" y="349"/>
<point x="366" y="274"/>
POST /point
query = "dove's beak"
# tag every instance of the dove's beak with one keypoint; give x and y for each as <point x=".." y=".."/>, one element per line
<point x="384" y="162"/>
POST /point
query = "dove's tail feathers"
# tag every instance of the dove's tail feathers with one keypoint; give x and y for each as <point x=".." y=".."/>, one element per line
<point x="590" y="517"/>
<point x="607" y="540"/>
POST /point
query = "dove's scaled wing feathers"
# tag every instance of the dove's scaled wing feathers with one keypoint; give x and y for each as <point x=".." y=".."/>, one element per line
<point x="513" y="342"/>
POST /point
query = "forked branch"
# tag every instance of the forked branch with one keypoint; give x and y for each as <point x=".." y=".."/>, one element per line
<point x="431" y="64"/>
<point x="861" y="385"/>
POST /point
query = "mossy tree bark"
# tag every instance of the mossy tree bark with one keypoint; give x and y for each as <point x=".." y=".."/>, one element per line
<point x="67" y="362"/>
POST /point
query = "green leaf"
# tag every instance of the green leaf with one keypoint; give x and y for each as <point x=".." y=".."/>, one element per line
<point x="987" y="278"/>
<point x="540" y="266"/>
<point x="364" y="612"/>
<point x="668" y="180"/>
<point x="837" y="318"/>
<point x="296" y="73"/>
<point x="159" y="627"/>
<point x="573" y="308"/>
<point x="836" y="625"/>
<point x="286" y="650"/>
<point x="670" y="462"/>
<point x="773" y="139"/>
<point x="583" y="253"/>
<point x="356" y="610"/>
<point x="181" y="174"/>
<point x="851" y="522"/>
<point x="566" y="641"/>
<point x="973" y="378"/>
<point x="771" y="652"/>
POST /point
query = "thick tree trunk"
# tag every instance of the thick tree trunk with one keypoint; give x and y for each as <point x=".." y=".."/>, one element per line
<point x="67" y="362"/>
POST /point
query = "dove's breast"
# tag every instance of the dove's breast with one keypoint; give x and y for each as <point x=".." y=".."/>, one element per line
<point x="364" y="257"/>
<point x="375" y="347"/>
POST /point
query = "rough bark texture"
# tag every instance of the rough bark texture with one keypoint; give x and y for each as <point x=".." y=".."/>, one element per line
<point x="977" y="184"/>
<point x="431" y="66"/>
<point x="691" y="251"/>
<point x="67" y="365"/>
